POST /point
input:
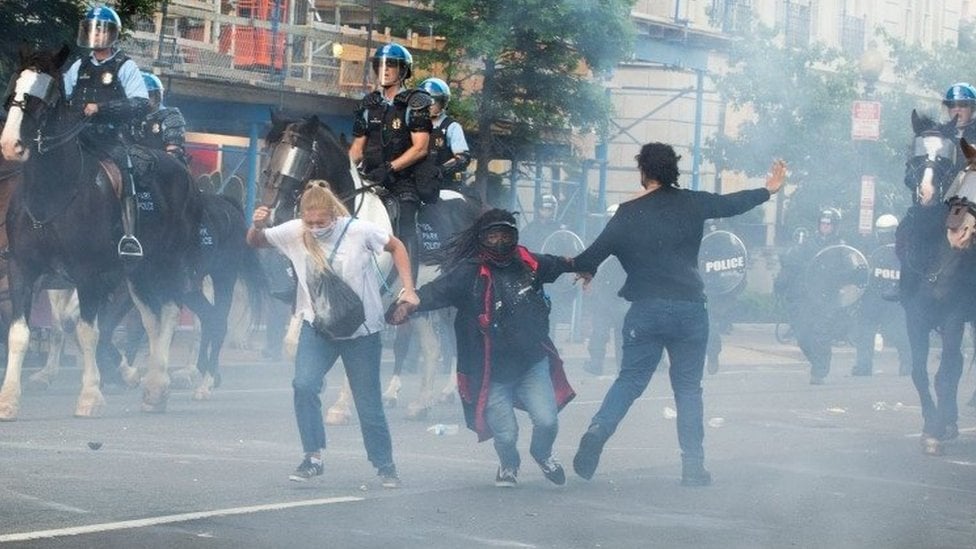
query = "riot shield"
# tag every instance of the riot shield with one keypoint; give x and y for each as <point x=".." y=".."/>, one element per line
<point x="566" y="298"/>
<point x="885" y="271"/>
<point x="722" y="263"/>
<point x="836" y="277"/>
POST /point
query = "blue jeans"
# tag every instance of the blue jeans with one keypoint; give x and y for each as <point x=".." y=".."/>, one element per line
<point x="534" y="390"/>
<point x="361" y="358"/>
<point x="652" y="325"/>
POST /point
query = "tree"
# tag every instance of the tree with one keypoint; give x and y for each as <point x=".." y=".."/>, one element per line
<point x="50" y="23"/>
<point x="526" y="68"/>
<point x="800" y="101"/>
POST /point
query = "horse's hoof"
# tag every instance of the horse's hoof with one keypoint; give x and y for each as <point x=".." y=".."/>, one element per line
<point x="336" y="417"/>
<point x="89" y="410"/>
<point x="8" y="413"/>
<point x="202" y="393"/>
<point x="38" y="383"/>
<point x="154" y="403"/>
<point x="931" y="446"/>
<point x="181" y="379"/>
<point x="417" y="412"/>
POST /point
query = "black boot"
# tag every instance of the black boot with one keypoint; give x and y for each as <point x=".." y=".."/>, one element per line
<point x="588" y="454"/>
<point x="129" y="245"/>
<point x="693" y="473"/>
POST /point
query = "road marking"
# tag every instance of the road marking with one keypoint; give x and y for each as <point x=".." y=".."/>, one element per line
<point x="863" y="478"/>
<point x="49" y="504"/>
<point x="169" y="519"/>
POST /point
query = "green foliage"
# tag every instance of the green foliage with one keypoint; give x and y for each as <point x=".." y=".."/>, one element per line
<point x="50" y="23"/>
<point x="529" y="55"/>
<point x="801" y="103"/>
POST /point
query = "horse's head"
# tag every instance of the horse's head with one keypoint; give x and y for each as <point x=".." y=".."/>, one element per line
<point x="930" y="169"/>
<point x="33" y="94"/>
<point x="961" y="198"/>
<point x="301" y="150"/>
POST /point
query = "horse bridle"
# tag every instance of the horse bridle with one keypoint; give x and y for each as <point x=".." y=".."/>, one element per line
<point x="289" y="159"/>
<point x="46" y="88"/>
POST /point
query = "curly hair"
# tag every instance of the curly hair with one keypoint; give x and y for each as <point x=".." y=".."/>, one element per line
<point x="659" y="162"/>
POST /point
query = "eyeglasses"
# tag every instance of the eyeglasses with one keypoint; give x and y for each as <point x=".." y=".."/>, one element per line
<point x="963" y="104"/>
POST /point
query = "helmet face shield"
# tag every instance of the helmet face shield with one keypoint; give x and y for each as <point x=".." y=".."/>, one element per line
<point x="97" y="34"/>
<point x="388" y="71"/>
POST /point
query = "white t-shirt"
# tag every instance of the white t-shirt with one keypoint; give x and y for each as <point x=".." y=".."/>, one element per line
<point x="353" y="262"/>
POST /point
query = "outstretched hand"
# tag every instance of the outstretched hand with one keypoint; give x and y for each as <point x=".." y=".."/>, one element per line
<point x="777" y="175"/>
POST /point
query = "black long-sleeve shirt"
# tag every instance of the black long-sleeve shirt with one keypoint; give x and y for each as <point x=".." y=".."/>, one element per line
<point x="656" y="238"/>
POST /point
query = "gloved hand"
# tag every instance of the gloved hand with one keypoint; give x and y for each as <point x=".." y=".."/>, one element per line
<point x="380" y="174"/>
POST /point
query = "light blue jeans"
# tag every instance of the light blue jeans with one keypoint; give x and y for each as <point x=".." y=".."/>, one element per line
<point x="361" y="358"/>
<point x="535" y="392"/>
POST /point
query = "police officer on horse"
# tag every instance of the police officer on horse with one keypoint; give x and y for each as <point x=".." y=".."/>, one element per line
<point x="164" y="128"/>
<point x="960" y="102"/>
<point x="108" y="88"/>
<point x="391" y="136"/>
<point x="449" y="155"/>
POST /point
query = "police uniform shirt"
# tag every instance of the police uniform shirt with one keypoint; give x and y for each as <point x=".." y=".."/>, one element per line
<point x="130" y="78"/>
<point x="454" y="134"/>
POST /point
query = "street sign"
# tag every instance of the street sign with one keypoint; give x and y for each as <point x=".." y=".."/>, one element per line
<point x="866" y="120"/>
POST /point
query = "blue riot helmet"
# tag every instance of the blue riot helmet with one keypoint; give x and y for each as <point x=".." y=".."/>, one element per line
<point x="392" y="54"/>
<point x="99" y="29"/>
<point x="437" y="89"/>
<point x="960" y="94"/>
<point x="155" y="88"/>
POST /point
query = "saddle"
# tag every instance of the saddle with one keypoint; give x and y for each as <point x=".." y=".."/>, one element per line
<point x="109" y="177"/>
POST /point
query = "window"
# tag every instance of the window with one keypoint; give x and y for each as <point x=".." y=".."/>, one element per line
<point x="730" y="15"/>
<point x="852" y="35"/>
<point x="794" y="20"/>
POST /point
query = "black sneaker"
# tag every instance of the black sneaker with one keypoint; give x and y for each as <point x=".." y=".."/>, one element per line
<point x="506" y="478"/>
<point x="306" y="470"/>
<point x="694" y="474"/>
<point x="553" y="471"/>
<point x="389" y="477"/>
<point x="588" y="455"/>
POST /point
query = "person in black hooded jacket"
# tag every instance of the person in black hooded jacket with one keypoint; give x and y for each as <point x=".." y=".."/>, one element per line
<point x="505" y="356"/>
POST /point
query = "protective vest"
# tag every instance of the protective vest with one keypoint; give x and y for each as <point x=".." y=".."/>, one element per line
<point x="387" y="127"/>
<point x="98" y="83"/>
<point x="164" y="127"/>
<point x="440" y="147"/>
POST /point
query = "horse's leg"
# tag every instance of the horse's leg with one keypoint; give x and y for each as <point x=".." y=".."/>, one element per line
<point x="947" y="378"/>
<point x="155" y="384"/>
<point x="90" y="401"/>
<point x="64" y="306"/>
<point x="114" y="367"/>
<point x="224" y="288"/>
<point x="918" y="337"/>
<point x="340" y="412"/>
<point x="401" y="351"/>
<point x="18" y="340"/>
<point x="430" y="347"/>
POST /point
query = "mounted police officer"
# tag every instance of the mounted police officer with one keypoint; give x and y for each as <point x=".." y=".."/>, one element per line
<point x="449" y="155"/>
<point x="960" y="102"/>
<point x="391" y="136"/>
<point x="877" y="311"/>
<point x="814" y="323"/>
<point x="107" y="87"/>
<point x="164" y="128"/>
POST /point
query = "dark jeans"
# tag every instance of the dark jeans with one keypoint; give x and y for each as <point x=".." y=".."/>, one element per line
<point x="361" y="358"/>
<point x="652" y="325"/>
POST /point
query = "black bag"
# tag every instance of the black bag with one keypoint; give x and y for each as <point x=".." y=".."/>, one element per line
<point x="338" y="309"/>
<point x="280" y="274"/>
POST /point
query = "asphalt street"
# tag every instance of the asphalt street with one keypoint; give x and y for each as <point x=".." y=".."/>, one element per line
<point x="795" y="465"/>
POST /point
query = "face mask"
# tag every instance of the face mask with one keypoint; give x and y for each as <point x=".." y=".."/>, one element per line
<point x="321" y="233"/>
